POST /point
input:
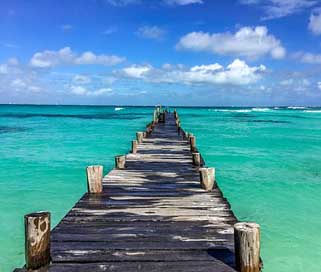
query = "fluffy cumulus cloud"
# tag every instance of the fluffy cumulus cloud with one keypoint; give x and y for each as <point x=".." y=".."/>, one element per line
<point x="83" y="91"/>
<point x="17" y="78"/>
<point x="250" y="42"/>
<point x="315" y="22"/>
<point x="137" y="71"/>
<point x="65" y="56"/>
<point x="280" y="8"/>
<point x="319" y="85"/>
<point x="151" y="32"/>
<point x="236" y="73"/>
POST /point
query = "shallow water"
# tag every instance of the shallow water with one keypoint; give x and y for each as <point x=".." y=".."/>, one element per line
<point x="268" y="164"/>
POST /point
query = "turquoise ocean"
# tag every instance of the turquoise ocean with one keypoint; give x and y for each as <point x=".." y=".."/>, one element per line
<point x="268" y="163"/>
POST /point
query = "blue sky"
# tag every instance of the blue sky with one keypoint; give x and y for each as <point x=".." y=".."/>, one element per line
<point x="174" y="52"/>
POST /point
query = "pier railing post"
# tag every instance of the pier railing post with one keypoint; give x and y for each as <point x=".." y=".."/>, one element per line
<point x="140" y="137"/>
<point x="37" y="240"/>
<point x="134" y="146"/>
<point x="247" y="247"/>
<point x="207" y="178"/>
<point x="95" y="179"/>
<point x="196" y="158"/>
<point x="120" y="162"/>
<point x="155" y="116"/>
<point x="192" y="141"/>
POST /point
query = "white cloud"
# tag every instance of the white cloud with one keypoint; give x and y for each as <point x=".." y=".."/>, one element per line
<point x="81" y="79"/>
<point x="319" y="85"/>
<point x="65" y="56"/>
<point x="280" y="8"/>
<point x="82" y="91"/>
<point x="79" y="90"/>
<point x="315" y="22"/>
<point x="151" y="32"/>
<point x="211" y="67"/>
<point x="236" y="73"/>
<point x="102" y="91"/>
<point x="137" y="71"/>
<point x="17" y="78"/>
<point x="183" y="2"/>
<point x="3" y="68"/>
<point x="307" y="57"/>
<point x="250" y="42"/>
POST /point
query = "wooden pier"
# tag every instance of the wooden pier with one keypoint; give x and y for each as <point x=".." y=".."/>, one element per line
<point x="159" y="209"/>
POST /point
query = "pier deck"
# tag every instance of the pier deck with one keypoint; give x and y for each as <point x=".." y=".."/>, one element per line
<point x="151" y="216"/>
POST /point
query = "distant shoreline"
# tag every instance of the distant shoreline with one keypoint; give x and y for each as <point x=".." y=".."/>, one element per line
<point x="172" y="106"/>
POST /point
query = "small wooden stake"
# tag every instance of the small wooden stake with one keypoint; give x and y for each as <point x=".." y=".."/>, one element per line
<point x="37" y="240"/>
<point x="247" y="247"/>
<point x="192" y="141"/>
<point x="139" y="136"/>
<point x="134" y="146"/>
<point x="120" y="162"/>
<point x="196" y="158"/>
<point x="95" y="179"/>
<point x="207" y="178"/>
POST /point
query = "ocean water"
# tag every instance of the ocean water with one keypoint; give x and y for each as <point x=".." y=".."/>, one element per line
<point x="268" y="164"/>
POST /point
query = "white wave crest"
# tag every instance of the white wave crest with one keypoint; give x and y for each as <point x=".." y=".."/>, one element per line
<point x="296" y="108"/>
<point x="260" y="109"/>
<point x="314" y="111"/>
<point x="118" y="109"/>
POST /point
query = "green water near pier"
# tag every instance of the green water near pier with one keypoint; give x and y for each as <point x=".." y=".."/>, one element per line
<point x="268" y="163"/>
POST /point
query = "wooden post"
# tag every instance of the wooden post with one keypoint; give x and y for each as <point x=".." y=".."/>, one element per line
<point x="196" y="158"/>
<point x="95" y="179"/>
<point x="247" y="247"/>
<point x="134" y="146"/>
<point x="37" y="240"/>
<point x="139" y="136"/>
<point x="207" y="178"/>
<point x="192" y="141"/>
<point x="120" y="162"/>
<point x="155" y="117"/>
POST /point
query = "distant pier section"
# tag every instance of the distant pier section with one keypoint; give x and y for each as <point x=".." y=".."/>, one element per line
<point x="159" y="209"/>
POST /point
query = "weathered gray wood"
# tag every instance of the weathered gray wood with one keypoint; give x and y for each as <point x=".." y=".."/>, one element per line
<point x="192" y="141"/>
<point x="139" y="137"/>
<point x="186" y="266"/>
<point x="120" y="162"/>
<point x="207" y="178"/>
<point x="94" y="179"/>
<point x="196" y="158"/>
<point x="247" y="247"/>
<point x="37" y="240"/>
<point x="134" y="146"/>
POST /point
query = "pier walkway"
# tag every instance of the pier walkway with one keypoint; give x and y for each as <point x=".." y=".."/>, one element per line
<point x="151" y="216"/>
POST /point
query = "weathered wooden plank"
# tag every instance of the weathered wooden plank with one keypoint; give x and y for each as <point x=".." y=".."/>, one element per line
<point x="137" y="255"/>
<point x="192" y="266"/>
